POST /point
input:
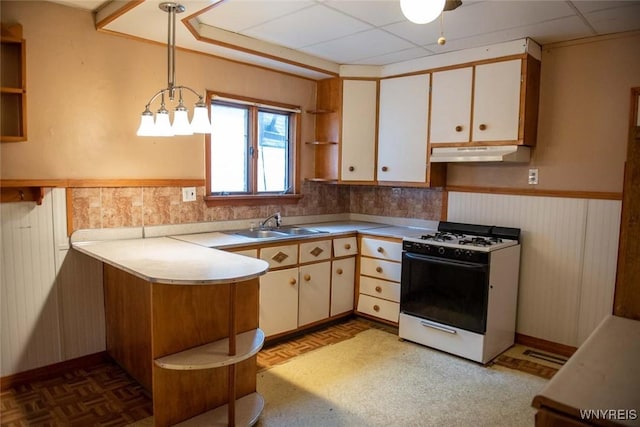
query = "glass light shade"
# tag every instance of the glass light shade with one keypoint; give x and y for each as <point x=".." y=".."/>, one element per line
<point x="181" y="124"/>
<point x="147" y="127"/>
<point x="200" y="122"/>
<point x="163" y="125"/>
<point x="422" y="11"/>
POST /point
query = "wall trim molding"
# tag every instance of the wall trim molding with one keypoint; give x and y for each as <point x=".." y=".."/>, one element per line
<point x="550" y="346"/>
<point x="49" y="371"/>
<point x="96" y="183"/>
<point x="571" y="194"/>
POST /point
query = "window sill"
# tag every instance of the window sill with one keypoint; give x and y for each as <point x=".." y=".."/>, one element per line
<point x="253" y="200"/>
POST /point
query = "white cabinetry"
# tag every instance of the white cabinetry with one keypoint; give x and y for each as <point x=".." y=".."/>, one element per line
<point x="495" y="103"/>
<point x="343" y="276"/>
<point x="279" y="301"/>
<point x="379" y="284"/>
<point x="402" y="131"/>
<point x="358" y="142"/>
<point x="314" y="292"/>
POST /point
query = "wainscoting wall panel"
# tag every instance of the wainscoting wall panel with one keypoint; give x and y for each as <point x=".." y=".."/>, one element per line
<point x="30" y="332"/>
<point x="568" y="258"/>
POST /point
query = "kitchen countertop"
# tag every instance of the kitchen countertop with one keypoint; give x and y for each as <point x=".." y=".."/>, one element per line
<point x="171" y="261"/>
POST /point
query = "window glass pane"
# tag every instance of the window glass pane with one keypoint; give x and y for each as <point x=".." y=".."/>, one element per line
<point x="229" y="149"/>
<point x="273" y="152"/>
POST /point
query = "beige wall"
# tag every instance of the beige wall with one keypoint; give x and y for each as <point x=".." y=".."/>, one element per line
<point x="583" y="124"/>
<point x="86" y="90"/>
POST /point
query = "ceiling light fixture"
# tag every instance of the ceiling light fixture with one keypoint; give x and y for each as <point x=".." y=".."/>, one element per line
<point x="161" y="125"/>
<point x="422" y="11"/>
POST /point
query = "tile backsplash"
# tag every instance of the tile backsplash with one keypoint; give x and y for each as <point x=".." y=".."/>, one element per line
<point x="144" y="206"/>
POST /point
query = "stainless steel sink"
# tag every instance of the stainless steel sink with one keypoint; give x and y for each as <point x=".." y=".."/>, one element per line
<point x="285" y="231"/>
<point x="260" y="234"/>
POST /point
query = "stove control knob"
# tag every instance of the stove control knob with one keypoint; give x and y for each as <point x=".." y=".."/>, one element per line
<point x="458" y="253"/>
<point x="468" y="254"/>
<point x="441" y="250"/>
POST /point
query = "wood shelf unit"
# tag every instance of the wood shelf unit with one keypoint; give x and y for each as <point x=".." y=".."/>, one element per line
<point x="22" y="194"/>
<point x="248" y="410"/>
<point x="13" y="90"/>
<point x="325" y="145"/>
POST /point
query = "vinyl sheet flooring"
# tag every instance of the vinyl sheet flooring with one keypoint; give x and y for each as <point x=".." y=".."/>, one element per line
<point x="105" y="395"/>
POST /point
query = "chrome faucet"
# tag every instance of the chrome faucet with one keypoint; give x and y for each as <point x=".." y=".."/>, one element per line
<point x="276" y="216"/>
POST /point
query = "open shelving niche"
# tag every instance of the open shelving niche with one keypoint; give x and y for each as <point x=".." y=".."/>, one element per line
<point x="13" y="91"/>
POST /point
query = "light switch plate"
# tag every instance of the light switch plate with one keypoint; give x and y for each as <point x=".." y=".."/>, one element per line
<point x="533" y="176"/>
<point x="188" y="194"/>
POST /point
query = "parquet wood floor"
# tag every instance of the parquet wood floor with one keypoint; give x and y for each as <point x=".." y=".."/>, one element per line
<point x="104" y="395"/>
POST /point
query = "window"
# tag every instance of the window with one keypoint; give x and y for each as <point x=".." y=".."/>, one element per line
<point x="251" y="151"/>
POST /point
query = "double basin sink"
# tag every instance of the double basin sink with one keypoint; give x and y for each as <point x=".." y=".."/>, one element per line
<point x="284" y="231"/>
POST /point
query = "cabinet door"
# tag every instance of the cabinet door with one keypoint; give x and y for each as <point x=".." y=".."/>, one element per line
<point x="314" y="292"/>
<point x="279" y="301"/>
<point x="358" y="143"/>
<point x="496" y="105"/>
<point x="451" y="105"/>
<point x="343" y="276"/>
<point x="402" y="132"/>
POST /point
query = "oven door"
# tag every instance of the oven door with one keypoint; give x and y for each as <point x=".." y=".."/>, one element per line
<point x="446" y="291"/>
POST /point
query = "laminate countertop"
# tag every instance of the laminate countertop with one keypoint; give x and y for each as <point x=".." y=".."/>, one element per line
<point x="171" y="261"/>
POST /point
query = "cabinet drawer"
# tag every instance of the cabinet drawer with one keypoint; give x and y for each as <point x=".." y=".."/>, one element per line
<point x="345" y="246"/>
<point x="382" y="249"/>
<point x="380" y="288"/>
<point x="315" y="251"/>
<point x="253" y="253"/>
<point x="379" y="308"/>
<point x="280" y="256"/>
<point x="381" y="269"/>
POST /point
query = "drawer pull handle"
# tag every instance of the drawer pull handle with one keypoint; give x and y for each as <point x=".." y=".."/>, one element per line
<point x="384" y="169"/>
<point x="458" y="128"/>
<point x="438" y="327"/>
<point x="379" y="269"/>
<point x="307" y="277"/>
<point x="482" y="126"/>
<point x="347" y="246"/>
<point x="316" y="251"/>
<point x="376" y="308"/>
<point x="380" y="249"/>
<point x="351" y="168"/>
<point x="292" y="281"/>
<point x="279" y="257"/>
<point x="339" y="271"/>
<point x="378" y="288"/>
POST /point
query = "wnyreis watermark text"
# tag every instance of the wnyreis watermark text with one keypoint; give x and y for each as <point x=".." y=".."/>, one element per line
<point x="609" y="414"/>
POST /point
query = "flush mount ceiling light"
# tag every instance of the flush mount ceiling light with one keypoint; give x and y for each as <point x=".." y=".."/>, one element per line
<point x="425" y="11"/>
<point x="161" y="124"/>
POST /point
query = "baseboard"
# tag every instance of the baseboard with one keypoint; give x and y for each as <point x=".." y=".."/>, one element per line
<point x="49" y="371"/>
<point x="550" y="346"/>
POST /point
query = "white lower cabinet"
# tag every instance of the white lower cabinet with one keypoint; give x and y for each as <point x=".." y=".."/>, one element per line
<point x="314" y="292"/>
<point x="343" y="276"/>
<point x="279" y="301"/>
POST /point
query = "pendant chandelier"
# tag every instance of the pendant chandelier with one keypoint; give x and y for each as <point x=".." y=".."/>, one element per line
<point x="161" y="125"/>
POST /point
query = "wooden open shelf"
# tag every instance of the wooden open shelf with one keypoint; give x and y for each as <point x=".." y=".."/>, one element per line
<point x="248" y="409"/>
<point x="13" y="90"/>
<point x="22" y="194"/>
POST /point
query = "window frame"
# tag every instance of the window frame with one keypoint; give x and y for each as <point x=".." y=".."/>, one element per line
<point x="253" y="197"/>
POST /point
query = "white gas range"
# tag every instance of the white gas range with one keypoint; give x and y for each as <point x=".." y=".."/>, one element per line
<point x="459" y="289"/>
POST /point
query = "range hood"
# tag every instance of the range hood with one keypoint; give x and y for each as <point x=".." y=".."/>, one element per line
<point x="502" y="153"/>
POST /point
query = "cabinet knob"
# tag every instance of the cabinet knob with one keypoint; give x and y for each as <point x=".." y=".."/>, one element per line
<point x="380" y="249"/>
<point x="376" y="308"/>
<point x="482" y="126"/>
<point x="379" y="269"/>
<point x="378" y="289"/>
<point x="292" y="281"/>
<point x="458" y="128"/>
<point x="347" y="246"/>
<point x="351" y="168"/>
<point x="339" y="271"/>
<point x="307" y="277"/>
<point x="384" y="169"/>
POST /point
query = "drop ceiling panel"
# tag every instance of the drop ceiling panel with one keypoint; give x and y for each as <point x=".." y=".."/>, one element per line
<point x="308" y="26"/>
<point x="398" y="56"/>
<point x="374" y="12"/>
<point x="358" y="46"/>
<point x="613" y="20"/>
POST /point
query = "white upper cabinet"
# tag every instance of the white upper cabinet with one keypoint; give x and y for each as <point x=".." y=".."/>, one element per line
<point x="451" y="105"/>
<point x="359" y="112"/>
<point x="496" y="105"/>
<point x="402" y="131"/>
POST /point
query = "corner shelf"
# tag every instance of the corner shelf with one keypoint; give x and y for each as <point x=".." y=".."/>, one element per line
<point x="215" y="354"/>
<point x="13" y="90"/>
<point x="248" y="409"/>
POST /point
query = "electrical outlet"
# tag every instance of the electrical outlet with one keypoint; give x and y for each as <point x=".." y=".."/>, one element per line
<point x="533" y="176"/>
<point x="188" y="194"/>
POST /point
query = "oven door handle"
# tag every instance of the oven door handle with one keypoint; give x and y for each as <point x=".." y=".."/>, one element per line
<point x="453" y="263"/>
<point x="438" y="327"/>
